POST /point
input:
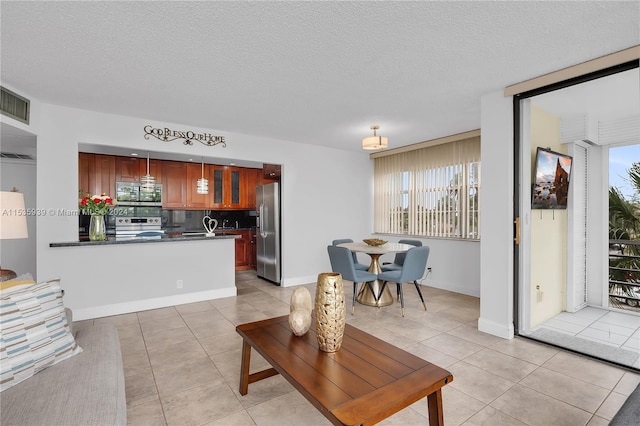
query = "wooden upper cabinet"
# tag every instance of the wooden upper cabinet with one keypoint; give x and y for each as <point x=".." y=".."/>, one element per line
<point x="195" y="200"/>
<point x="271" y="173"/>
<point x="155" y="169"/>
<point x="252" y="179"/>
<point x="174" y="184"/>
<point x="96" y="174"/>
<point x="233" y="187"/>
<point x="221" y="187"/>
<point x="131" y="169"/>
<point x="128" y="169"/>
<point x="85" y="168"/>
<point x="230" y="188"/>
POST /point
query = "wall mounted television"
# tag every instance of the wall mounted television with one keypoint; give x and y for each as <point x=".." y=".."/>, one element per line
<point x="551" y="180"/>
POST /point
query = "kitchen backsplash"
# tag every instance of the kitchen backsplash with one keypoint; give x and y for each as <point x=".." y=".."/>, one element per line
<point x="177" y="220"/>
<point x="191" y="220"/>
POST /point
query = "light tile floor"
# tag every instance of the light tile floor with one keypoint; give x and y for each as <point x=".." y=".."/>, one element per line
<point x="612" y="328"/>
<point x="182" y="365"/>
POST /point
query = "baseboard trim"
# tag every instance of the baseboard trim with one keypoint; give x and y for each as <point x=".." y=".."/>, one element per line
<point x="506" y="331"/>
<point x="449" y="287"/>
<point x="147" y="304"/>
<point x="290" y="282"/>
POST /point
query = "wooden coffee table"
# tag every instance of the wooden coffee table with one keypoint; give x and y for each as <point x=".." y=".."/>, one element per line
<point x="364" y="382"/>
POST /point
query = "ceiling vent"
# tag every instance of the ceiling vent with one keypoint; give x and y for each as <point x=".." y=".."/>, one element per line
<point x="14" y="156"/>
<point x="14" y="106"/>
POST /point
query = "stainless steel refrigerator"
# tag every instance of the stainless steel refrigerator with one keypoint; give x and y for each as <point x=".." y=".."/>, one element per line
<point x="268" y="232"/>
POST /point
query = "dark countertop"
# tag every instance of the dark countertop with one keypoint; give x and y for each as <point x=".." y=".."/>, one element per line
<point x="226" y="234"/>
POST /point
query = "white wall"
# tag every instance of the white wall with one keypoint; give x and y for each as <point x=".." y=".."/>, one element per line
<point x="455" y="264"/>
<point x="496" y="216"/>
<point x="20" y="255"/>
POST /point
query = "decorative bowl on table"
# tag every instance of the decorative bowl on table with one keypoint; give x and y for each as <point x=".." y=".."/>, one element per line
<point x="375" y="242"/>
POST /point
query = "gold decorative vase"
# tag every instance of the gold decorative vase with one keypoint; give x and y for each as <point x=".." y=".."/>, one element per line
<point x="330" y="311"/>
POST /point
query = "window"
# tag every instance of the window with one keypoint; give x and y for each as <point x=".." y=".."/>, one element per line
<point x="432" y="191"/>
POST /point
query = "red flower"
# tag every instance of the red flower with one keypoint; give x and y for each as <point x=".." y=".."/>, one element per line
<point x="96" y="200"/>
<point x="108" y="200"/>
<point x="84" y="201"/>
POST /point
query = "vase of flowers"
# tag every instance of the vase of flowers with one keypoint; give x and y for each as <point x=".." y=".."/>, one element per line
<point x="98" y="207"/>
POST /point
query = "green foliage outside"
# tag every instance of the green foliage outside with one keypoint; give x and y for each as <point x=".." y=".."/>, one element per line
<point x="624" y="252"/>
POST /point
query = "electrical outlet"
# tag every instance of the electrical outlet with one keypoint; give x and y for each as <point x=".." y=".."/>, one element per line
<point x="179" y="283"/>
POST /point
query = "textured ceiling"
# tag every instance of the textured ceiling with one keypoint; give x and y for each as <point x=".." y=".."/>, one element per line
<point x="309" y="72"/>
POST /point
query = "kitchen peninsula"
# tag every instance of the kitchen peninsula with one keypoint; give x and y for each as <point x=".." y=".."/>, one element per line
<point x="118" y="277"/>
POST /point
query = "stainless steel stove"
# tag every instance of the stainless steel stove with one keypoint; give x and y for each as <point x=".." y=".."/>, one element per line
<point x="138" y="227"/>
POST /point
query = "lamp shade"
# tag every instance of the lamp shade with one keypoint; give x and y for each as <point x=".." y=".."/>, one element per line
<point x="147" y="182"/>
<point x="202" y="185"/>
<point x="13" y="217"/>
<point x="375" y="142"/>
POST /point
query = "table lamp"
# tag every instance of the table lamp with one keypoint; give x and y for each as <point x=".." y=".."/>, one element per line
<point x="13" y="223"/>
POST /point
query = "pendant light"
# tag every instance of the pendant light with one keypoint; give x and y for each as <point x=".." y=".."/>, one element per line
<point x="147" y="182"/>
<point x="202" y="186"/>
<point x="375" y="141"/>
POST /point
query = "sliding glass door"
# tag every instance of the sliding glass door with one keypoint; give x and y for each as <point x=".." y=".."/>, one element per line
<point x="564" y="139"/>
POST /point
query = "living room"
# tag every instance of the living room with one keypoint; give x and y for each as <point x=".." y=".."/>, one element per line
<point x="314" y="176"/>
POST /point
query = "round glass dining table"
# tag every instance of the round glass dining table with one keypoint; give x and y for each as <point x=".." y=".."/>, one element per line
<point x="365" y="295"/>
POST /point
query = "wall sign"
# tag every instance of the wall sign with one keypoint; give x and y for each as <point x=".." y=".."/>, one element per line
<point x="168" y="135"/>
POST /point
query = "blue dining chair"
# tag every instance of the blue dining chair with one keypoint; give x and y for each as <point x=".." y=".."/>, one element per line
<point x="360" y="266"/>
<point x="342" y="263"/>
<point x="398" y="261"/>
<point x="415" y="263"/>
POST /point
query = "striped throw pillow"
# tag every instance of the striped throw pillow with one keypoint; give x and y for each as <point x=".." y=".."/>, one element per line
<point x="34" y="333"/>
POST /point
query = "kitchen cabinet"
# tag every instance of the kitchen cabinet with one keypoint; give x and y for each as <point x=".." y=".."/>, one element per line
<point x="195" y="200"/>
<point x="179" y="186"/>
<point x="231" y="187"/>
<point x="252" y="180"/>
<point x="131" y="169"/>
<point x="96" y="174"/>
<point x="271" y="173"/>
<point x="155" y="168"/>
<point x="174" y="176"/>
<point x="127" y="169"/>
<point x="85" y="162"/>
<point x="245" y="250"/>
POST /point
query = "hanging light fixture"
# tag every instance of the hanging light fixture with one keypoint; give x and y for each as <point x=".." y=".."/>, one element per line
<point x="375" y="142"/>
<point x="147" y="182"/>
<point x="202" y="186"/>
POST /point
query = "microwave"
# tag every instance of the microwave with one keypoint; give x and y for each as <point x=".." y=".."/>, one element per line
<point x="130" y="194"/>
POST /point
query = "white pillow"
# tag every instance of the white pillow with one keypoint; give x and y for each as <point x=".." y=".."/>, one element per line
<point x="35" y="333"/>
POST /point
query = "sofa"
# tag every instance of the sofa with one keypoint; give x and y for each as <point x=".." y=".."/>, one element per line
<point x="86" y="388"/>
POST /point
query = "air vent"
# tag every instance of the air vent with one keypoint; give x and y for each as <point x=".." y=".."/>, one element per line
<point x="14" y="106"/>
<point x="14" y="156"/>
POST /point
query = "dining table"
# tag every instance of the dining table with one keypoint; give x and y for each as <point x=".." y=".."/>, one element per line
<point x="370" y="295"/>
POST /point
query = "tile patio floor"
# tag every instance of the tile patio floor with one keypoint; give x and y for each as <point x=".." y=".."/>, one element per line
<point x="615" y="329"/>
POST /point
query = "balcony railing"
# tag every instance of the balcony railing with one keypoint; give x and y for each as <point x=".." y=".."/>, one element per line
<point x="624" y="274"/>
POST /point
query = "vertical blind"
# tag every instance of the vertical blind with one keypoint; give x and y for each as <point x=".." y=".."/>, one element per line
<point x="432" y="191"/>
